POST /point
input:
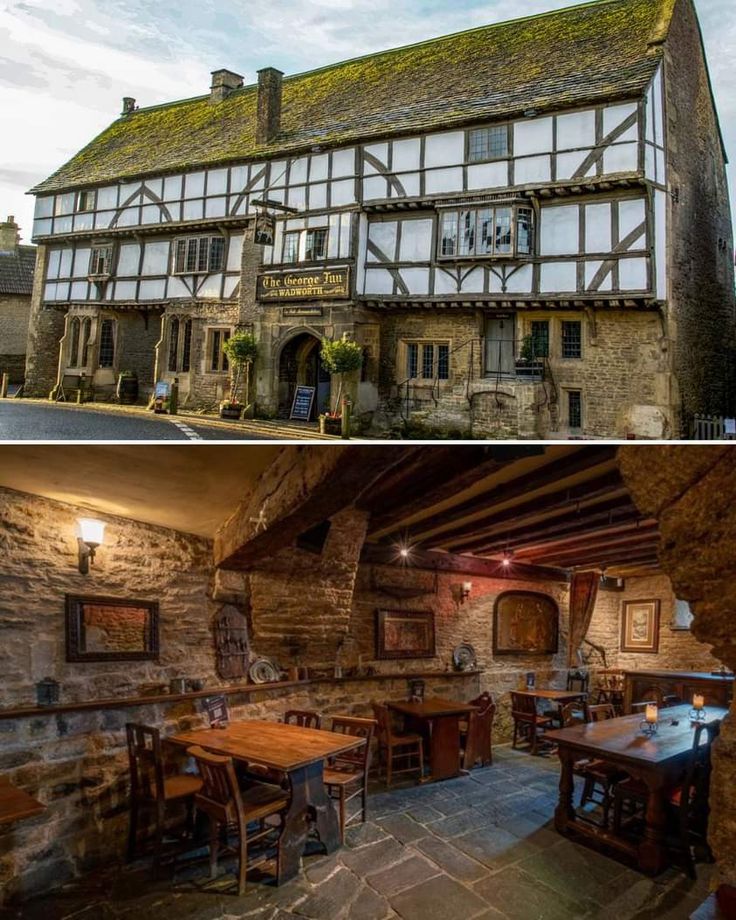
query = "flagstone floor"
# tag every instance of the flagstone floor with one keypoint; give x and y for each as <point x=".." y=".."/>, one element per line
<point x="481" y="846"/>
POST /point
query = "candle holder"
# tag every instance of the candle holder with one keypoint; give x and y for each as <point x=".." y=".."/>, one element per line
<point x="697" y="715"/>
<point x="649" y="728"/>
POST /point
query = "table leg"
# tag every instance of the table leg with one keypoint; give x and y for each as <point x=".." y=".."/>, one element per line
<point x="445" y="747"/>
<point x="309" y="802"/>
<point x="653" y="857"/>
<point x="565" y="811"/>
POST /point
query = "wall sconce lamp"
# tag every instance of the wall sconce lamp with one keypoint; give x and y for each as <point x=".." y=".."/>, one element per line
<point x="90" y="534"/>
<point x="466" y="588"/>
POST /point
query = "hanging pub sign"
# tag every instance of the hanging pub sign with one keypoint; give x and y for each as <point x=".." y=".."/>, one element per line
<point x="307" y="284"/>
<point x="265" y="227"/>
<point x="301" y="408"/>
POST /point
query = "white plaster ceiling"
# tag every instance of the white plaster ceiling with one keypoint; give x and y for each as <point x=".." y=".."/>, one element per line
<point x="186" y="487"/>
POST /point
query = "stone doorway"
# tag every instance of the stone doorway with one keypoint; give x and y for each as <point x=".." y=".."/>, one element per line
<point x="299" y="365"/>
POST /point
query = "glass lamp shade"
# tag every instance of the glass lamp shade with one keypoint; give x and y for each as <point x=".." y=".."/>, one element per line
<point x="90" y="531"/>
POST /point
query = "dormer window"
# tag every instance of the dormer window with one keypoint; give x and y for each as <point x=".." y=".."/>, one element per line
<point x="86" y="201"/>
<point x="100" y="261"/>
<point x="499" y="230"/>
<point x="199" y="255"/>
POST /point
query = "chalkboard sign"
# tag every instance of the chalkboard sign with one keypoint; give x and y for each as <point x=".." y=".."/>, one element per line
<point x="301" y="408"/>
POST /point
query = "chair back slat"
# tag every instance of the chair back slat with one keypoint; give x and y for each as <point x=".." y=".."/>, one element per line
<point x="306" y="718"/>
<point x="522" y="705"/>
<point x="358" y="758"/>
<point x="571" y="714"/>
<point x="600" y="712"/>
<point x="145" y="759"/>
<point x="384" y="724"/>
<point x="220" y="794"/>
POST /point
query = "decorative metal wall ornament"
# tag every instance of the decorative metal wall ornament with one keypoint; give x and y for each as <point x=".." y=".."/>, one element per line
<point x="464" y="657"/>
<point x="232" y="647"/>
<point x="263" y="671"/>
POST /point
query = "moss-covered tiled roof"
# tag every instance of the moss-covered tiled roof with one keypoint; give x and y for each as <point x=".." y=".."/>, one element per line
<point x="593" y="52"/>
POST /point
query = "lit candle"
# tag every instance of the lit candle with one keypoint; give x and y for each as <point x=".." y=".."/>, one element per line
<point x="698" y="701"/>
<point x="651" y="714"/>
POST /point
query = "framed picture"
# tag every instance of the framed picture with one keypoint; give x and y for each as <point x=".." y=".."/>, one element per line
<point x="682" y="617"/>
<point x="111" y="629"/>
<point x="403" y="634"/>
<point x="525" y="623"/>
<point x="640" y="626"/>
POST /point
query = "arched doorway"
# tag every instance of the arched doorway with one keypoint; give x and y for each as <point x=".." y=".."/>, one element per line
<point x="299" y="365"/>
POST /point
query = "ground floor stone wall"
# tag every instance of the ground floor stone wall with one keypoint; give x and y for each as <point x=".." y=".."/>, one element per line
<point x="15" y="313"/>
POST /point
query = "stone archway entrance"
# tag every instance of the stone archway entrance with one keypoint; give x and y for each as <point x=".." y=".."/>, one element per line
<point x="299" y="365"/>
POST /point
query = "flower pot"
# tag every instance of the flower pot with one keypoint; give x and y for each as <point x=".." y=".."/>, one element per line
<point x="231" y="412"/>
<point x="330" y="425"/>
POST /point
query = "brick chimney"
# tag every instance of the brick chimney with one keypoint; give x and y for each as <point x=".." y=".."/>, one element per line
<point x="9" y="236"/>
<point x="268" y="118"/>
<point x="129" y="105"/>
<point x="223" y="83"/>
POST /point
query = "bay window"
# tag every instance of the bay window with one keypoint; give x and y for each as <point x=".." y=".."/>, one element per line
<point x="500" y="230"/>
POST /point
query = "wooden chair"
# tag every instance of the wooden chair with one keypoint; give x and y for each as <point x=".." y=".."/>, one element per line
<point x="346" y="776"/>
<point x="600" y="777"/>
<point x="578" y="680"/>
<point x="306" y="718"/>
<point x="527" y="721"/>
<point x="393" y="746"/>
<point x="612" y="691"/>
<point x="231" y="809"/>
<point x="152" y="788"/>
<point x="476" y="733"/>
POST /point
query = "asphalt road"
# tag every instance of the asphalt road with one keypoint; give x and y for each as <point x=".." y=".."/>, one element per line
<point x="22" y="421"/>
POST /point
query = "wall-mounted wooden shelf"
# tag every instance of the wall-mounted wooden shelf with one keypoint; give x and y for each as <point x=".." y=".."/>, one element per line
<point x="241" y="690"/>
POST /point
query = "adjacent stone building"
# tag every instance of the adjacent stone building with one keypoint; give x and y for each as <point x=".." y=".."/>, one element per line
<point x="17" y="264"/>
<point x="526" y="226"/>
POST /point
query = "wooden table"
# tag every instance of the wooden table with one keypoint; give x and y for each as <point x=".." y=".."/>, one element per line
<point x="297" y="752"/>
<point x="659" y="762"/>
<point x="15" y="804"/>
<point x="556" y="696"/>
<point x="717" y="689"/>
<point x="441" y="719"/>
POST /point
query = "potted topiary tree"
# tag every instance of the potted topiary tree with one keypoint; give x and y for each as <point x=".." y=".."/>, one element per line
<point x="339" y="357"/>
<point x="241" y="350"/>
<point x="528" y="363"/>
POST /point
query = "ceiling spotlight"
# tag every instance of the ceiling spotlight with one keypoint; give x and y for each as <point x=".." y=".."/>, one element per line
<point x="404" y="552"/>
<point x="506" y="561"/>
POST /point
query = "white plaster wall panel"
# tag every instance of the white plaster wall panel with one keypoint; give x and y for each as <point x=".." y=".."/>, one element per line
<point x="237" y="205"/>
<point x="375" y="187"/>
<point x="576" y="130"/>
<point x="495" y="282"/>
<point x="62" y="225"/>
<point x="631" y="214"/>
<point x="333" y="236"/>
<point x="569" y="163"/>
<point x="343" y="163"/>
<point x="532" y="169"/>
<point x="277" y="174"/>
<point x="295" y="223"/>
<point x="152" y="214"/>
<point x="342" y="192"/>
<point x="78" y="290"/>
<point x="532" y="136"/>
<point x="42" y="227"/>
<point x="489" y="175"/>
<point x="345" y="235"/>
<point x="156" y="258"/>
<point x="45" y="206"/>
<point x="591" y="270"/>
<point x="660" y="237"/>
<point x="128" y="260"/>
<point x="559" y="230"/>
<point x="277" y="194"/>
<point x="235" y="252"/>
<point x="125" y="290"/>
<point x="156" y="186"/>
<point x="152" y="289"/>
<point x="318" y="167"/>
<point x="257" y="177"/>
<point x="444" y="149"/>
<point x="382" y="234"/>
<point x="520" y="282"/>
<point x="410" y="182"/>
<point x="445" y="282"/>
<point x="439" y="181"/>
<point x="54" y="261"/>
<point x="210" y="287"/>
<point x="84" y="221"/>
<point x="473" y="282"/>
<point x="362" y="254"/>
<point x="298" y="171"/>
<point x="406" y="155"/>
<point x="650" y="163"/>
<point x="231" y="282"/>
<point x="416" y="240"/>
<point x="103" y="219"/>
<point x="650" y="115"/>
<point x="416" y="279"/>
<point x="193" y="210"/>
<point x="80" y="268"/>
<point x="194" y="185"/>
<point x="633" y="274"/>
<point x="558" y="277"/>
<point x="378" y="281"/>
<point x="318" y="196"/>
<point x="214" y="207"/>
<point x="65" y="266"/>
<point x="172" y="188"/>
<point x="614" y="115"/>
<point x="661" y="168"/>
<point x="177" y="288"/>
<point x="238" y="178"/>
<point x="174" y="210"/>
<point x="621" y="158"/>
<point x="380" y="152"/>
<point x="658" y="107"/>
<point x="64" y="203"/>
<point x="598" y="228"/>
<point x="297" y="197"/>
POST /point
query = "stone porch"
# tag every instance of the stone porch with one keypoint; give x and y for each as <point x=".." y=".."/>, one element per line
<point x="481" y="846"/>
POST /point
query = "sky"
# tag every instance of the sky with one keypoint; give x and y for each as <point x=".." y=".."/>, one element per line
<point x="65" y="66"/>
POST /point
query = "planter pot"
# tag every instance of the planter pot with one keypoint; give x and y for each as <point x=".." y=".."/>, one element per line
<point x="330" y="425"/>
<point x="128" y="390"/>
<point x="231" y="412"/>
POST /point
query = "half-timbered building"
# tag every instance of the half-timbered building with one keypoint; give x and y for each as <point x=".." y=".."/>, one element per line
<point x="526" y="226"/>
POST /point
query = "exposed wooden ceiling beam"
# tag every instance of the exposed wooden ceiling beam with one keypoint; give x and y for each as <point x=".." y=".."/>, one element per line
<point x="585" y="495"/>
<point x="609" y="558"/>
<point x="564" y="526"/>
<point x="597" y="534"/>
<point x="609" y="564"/>
<point x="634" y="539"/>
<point x="380" y="554"/>
<point x="389" y="519"/>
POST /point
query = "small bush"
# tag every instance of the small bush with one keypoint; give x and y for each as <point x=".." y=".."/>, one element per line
<point x="340" y="356"/>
